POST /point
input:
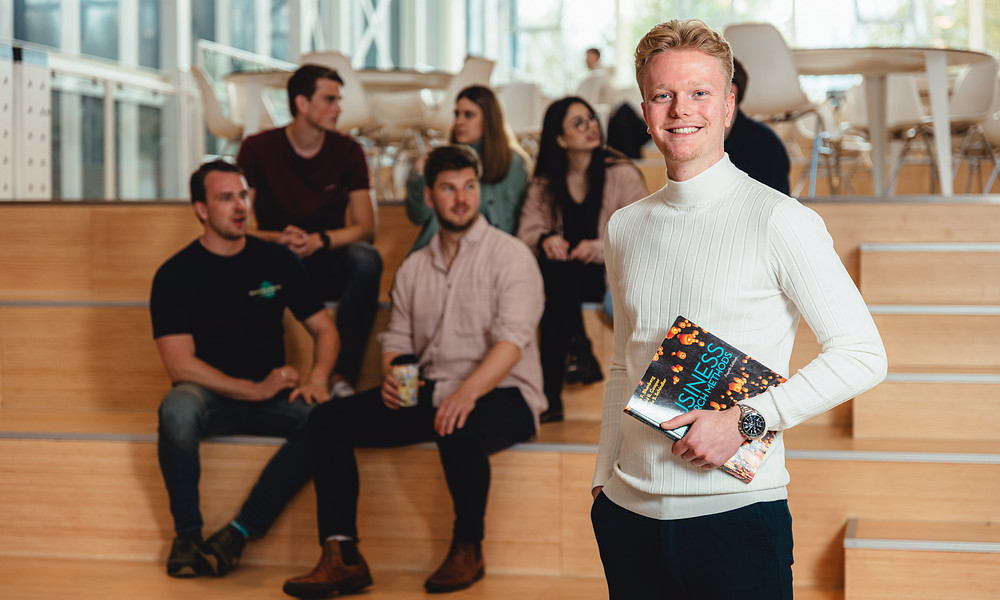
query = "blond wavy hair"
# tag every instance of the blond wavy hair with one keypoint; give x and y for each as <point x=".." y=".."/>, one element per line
<point x="678" y="34"/>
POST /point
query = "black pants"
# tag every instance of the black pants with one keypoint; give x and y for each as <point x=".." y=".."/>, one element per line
<point x="744" y="553"/>
<point x="567" y="285"/>
<point x="350" y="275"/>
<point x="501" y="419"/>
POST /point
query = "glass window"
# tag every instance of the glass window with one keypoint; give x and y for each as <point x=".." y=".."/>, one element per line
<point x="92" y="146"/>
<point x="99" y="28"/>
<point x="150" y="159"/>
<point x="279" y="29"/>
<point x="37" y="21"/>
<point x="551" y="35"/>
<point x="242" y="23"/>
<point x="149" y="33"/>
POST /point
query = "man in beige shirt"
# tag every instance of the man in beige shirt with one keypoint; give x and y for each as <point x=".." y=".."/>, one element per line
<point x="467" y="307"/>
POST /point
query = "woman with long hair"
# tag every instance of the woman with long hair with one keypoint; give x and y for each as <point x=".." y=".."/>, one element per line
<point x="479" y="122"/>
<point x="578" y="183"/>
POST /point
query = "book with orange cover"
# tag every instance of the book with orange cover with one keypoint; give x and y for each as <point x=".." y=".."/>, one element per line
<point x="693" y="370"/>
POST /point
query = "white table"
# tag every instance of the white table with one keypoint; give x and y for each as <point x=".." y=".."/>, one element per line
<point x="246" y="88"/>
<point x="875" y="63"/>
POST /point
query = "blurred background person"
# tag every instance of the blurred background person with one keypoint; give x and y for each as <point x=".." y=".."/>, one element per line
<point x="578" y="183"/>
<point x="480" y="123"/>
<point x="753" y="146"/>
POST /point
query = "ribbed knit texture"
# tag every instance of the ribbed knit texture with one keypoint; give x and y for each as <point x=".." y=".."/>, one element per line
<point x="743" y="261"/>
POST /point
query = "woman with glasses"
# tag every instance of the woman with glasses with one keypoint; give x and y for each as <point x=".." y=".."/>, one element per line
<point x="578" y="183"/>
<point x="479" y="122"/>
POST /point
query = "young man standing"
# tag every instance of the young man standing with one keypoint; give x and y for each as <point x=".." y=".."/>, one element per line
<point x="745" y="262"/>
<point x="310" y="192"/>
<point x="467" y="306"/>
<point x="217" y="308"/>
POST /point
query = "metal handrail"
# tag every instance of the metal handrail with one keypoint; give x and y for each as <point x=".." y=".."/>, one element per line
<point x="242" y="55"/>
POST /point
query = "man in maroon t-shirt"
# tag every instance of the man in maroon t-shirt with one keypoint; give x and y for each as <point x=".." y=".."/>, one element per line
<point x="311" y="193"/>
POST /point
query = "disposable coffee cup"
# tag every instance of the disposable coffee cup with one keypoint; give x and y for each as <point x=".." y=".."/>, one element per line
<point x="407" y="374"/>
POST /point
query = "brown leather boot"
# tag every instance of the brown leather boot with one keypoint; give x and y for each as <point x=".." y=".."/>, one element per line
<point x="330" y="575"/>
<point x="461" y="568"/>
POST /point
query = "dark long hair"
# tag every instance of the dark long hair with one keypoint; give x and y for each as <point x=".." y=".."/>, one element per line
<point x="495" y="150"/>
<point x="553" y="162"/>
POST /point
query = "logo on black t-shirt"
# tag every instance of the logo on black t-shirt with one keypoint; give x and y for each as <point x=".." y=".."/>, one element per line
<point x="267" y="290"/>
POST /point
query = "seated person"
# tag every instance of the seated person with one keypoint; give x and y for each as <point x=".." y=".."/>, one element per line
<point x="467" y="307"/>
<point x="593" y="59"/>
<point x="217" y="309"/>
<point x="310" y="192"/>
<point x="578" y="184"/>
<point x="479" y="122"/>
<point x="753" y="146"/>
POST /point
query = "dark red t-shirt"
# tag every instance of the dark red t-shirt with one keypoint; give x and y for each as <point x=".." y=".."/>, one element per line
<point x="308" y="193"/>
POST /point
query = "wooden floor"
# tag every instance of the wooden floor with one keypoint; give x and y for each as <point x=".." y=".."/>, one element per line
<point x="59" y="579"/>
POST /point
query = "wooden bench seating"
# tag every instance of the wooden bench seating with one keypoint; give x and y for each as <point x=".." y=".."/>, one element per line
<point x="538" y="517"/>
<point x="897" y="559"/>
<point x="80" y="381"/>
<point x="938" y="309"/>
<point x="931" y="273"/>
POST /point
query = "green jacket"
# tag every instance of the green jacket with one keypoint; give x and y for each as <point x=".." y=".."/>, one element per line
<point x="499" y="202"/>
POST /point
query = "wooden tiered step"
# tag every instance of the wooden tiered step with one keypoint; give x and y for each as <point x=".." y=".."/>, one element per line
<point x="110" y="251"/>
<point x="931" y="273"/>
<point x="107" y="491"/>
<point x="32" y="579"/>
<point x="938" y="310"/>
<point x="909" y="560"/>
<point x="930" y="406"/>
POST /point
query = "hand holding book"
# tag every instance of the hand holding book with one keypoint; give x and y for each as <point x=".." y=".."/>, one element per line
<point x="693" y="378"/>
<point x="712" y="437"/>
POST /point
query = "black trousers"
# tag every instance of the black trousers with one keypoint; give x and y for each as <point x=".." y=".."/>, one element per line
<point x="744" y="553"/>
<point x="501" y="419"/>
<point x="567" y="285"/>
<point x="350" y="275"/>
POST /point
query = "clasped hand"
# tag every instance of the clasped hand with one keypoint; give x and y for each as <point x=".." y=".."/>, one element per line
<point x="299" y="241"/>
<point x="713" y="437"/>
<point x="557" y="248"/>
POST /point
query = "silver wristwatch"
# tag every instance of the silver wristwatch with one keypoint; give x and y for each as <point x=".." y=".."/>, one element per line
<point x="752" y="425"/>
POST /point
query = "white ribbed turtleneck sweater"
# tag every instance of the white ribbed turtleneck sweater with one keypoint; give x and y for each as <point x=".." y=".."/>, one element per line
<point x="743" y="261"/>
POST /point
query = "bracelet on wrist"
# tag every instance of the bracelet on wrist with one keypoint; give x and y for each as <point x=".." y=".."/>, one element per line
<point x="325" y="239"/>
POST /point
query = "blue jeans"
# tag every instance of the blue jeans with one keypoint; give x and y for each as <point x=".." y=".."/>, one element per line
<point x="190" y="413"/>
<point x="350" y="275"/>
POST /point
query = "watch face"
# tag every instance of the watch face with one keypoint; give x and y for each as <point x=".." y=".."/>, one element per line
<point x="753" y="426"/>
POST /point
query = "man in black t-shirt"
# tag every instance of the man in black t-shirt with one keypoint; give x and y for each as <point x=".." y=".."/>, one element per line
<point x="216" y="308"/>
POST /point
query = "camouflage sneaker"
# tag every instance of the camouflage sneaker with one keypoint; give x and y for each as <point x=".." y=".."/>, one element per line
<point x="186" y="557"/>
<point x="224" y="548"/>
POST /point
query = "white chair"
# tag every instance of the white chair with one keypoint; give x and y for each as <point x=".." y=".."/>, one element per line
<point x="524" y="108"/>
<point x="991" y="129"/>
<point x="973" y="102"/>
<point x="219" y="125"/>
<point x="905" y="120"/>
<point x="840" y="149"/>
<point x="597" y="90"/>
<point x="773" y="92"/>
<point x="475" y="71"/>
<point x="355" y="112"/>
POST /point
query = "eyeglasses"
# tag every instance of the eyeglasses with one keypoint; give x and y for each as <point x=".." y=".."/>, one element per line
<point x="582" y="124"/>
